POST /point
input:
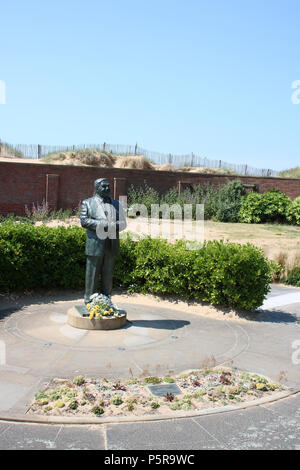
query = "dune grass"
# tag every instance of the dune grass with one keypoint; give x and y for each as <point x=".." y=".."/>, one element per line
<point x="291" y="173"/>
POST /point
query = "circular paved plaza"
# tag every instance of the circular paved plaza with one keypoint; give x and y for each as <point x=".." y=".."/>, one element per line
<point x="40" y="345"/>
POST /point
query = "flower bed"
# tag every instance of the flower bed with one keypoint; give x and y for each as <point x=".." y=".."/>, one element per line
<point x="102" y="397"/>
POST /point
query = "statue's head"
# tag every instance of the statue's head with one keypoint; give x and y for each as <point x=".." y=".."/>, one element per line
<point x="102" y="187"/>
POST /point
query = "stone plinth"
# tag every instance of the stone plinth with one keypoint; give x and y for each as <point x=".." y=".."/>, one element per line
<point x="76" y="319"/>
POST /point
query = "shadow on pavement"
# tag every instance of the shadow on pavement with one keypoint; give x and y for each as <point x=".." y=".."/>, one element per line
<point x="160" y="324"/>
<point x="275" y="316"/>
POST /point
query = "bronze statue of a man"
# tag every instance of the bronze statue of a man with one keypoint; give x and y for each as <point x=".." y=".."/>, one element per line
<point x="103" y="218"/>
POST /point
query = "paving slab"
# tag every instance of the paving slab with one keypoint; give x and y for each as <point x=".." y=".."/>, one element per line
<point x="255" y="428"/>
<point x="289" y="408"/>
<point x="22" y="436"/>
<point x="40" y="437"/>
<point x="77" y="438"/>
<point x="179" y="434"/>
<point x="10" y="394"/>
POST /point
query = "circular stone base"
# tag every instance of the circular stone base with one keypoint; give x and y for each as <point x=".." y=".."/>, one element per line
<point x="75" y="319"/>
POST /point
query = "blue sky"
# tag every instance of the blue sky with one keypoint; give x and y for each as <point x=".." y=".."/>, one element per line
<point x="211" y="77"/>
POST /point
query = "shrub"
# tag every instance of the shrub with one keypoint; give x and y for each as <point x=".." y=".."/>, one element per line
<point x="32" y="257"/>
<point x="42" y="212"/>
<point x="143" y="195"/>
<point x="271" y="206"/>
<point x="293" y="277"/>
<point x="293" y="212"/>
<point x="210" y="201"/>
<point x="15" y="218"/>
<point x="230" y="274"/>
<point x="275" y="206"/>
<point x="251" y="209"/>
<point x="219" y="273"/>
<point x="198" y="194"/>
<point x="230" y="201"/>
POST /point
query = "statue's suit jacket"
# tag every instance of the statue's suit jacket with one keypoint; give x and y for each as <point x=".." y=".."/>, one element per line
<point x="94" y="212"/>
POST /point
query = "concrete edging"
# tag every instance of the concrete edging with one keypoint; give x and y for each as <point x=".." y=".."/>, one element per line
<point x="136" y="419"/>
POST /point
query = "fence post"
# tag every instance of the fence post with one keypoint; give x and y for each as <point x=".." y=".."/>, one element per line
<point x="104" y="146"/>
<point x="135" y="149"/>
<point x="192" y="160"/>
<point x="169" y="158"/>
<point x="245" y="169"/>
<point x="220" y="163"/>
<point x="39" y="151"/>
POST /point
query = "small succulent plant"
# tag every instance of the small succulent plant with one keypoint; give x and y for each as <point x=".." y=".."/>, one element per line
<point x="42" y="402"/>
<point x="152" y="380"/>
<point x="154" y="405"/>
<point x="79" y="380"/>
<point x="225" y="378"/>
<point x="116" y="400"/>
<point x="59" y="404"/>
<point x="73" y="405"/>
<point x="119" y="386"/>
<point x="169" y="397"/>
<point x="97" y="410"/>
<point x="169" y="379"/>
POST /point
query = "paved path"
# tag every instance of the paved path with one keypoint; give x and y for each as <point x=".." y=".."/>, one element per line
<point x="38" y="346"/>
<point x="275" y="426"/>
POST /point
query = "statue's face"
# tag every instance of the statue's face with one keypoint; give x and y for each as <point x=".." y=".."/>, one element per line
<point x="103" y="189"/>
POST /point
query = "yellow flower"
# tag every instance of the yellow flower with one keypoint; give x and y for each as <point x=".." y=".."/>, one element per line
<point x="111" y="310"/>
<point x="88" y="306"/>
<point x="106" y="312"/>
<point x="92" y="314"/>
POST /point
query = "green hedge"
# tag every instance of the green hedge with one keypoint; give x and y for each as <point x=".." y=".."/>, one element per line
<point x="32" y="257"/>
<point x="271" y="206"/>
<point x="219" y="273"/>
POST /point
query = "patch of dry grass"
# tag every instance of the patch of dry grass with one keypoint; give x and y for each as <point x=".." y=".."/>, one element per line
<point x="134" y="162"/>
<point x="95" y="157"/>
<point x="291" y="173"/>
<point x="92" y="157"/>
<point x="165" y="167"/>
<point x="207" y="171"/>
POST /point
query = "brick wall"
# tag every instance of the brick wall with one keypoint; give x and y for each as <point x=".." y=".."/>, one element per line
<point x="64" y="186"/>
